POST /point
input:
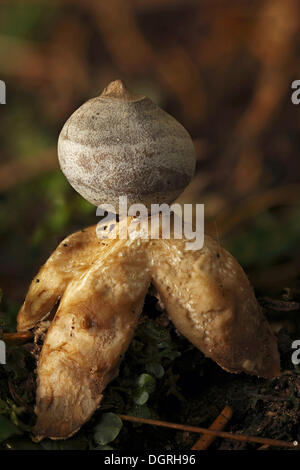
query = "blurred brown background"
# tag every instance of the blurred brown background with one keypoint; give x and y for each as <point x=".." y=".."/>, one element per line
<point x="223" y="69"/>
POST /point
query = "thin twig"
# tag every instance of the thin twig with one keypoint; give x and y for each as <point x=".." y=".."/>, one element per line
<point x="22" y="337"/>
<point x="282" y="195"/>
<point x="17" y="397"/>
<point x="225" y="435"/>
<point x="218" y="425"/>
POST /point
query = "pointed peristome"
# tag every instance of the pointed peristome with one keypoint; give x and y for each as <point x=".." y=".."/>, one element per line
<point x="117" y="90"/>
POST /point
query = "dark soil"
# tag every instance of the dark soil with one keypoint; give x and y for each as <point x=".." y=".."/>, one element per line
<point x="266" y="408"/>
<point x="193" y="391"/>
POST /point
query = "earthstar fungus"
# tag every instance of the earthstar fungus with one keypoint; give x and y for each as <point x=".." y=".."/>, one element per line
<point x="122" y="144"/>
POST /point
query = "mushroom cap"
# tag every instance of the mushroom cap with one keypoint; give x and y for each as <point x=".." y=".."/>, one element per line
<point x="122" y="144"/>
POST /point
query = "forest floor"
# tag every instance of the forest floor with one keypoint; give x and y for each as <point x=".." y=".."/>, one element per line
<point x="181" y="385"/>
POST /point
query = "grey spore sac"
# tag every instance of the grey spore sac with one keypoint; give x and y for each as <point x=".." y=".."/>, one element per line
<point x="122" y="144"/>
